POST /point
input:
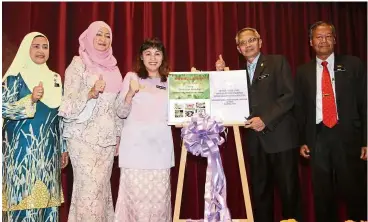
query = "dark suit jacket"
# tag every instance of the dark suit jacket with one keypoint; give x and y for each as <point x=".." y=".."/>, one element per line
<point x="271" y="97"/>
<point x="351" y="101"/>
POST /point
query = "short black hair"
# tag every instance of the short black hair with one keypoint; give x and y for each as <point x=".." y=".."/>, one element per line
<point x="321" y="23"/>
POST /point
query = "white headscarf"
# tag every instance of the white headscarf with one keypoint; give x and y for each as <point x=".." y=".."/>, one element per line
<point x="33" y="73"/>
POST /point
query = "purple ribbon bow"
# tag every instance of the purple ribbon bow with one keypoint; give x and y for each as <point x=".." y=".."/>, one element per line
<point x="201" y="137"/>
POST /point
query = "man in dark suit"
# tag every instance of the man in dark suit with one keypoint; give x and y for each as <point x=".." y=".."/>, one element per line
<point x="331" y="108"/>
<point x="271" y="130"/>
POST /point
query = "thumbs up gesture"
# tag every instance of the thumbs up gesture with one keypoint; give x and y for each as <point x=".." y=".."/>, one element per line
<point x="37" y="92"/>
<point x="133" y="86"/>
<point x="220" y="64"/>
<point x="100" y="84"/>
<point x="98" y="88"/>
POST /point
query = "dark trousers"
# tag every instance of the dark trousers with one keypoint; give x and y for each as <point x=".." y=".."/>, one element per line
<point x="337" y="171"/>
<point x="268" y="170"/>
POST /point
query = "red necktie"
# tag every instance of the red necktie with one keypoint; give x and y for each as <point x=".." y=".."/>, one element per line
<point x="328" y="99"/>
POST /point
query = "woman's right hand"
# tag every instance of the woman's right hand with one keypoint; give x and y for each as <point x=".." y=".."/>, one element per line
<point x="100" y="84"/>
<point x="37" y="92"/>
<point x="98" y="88"/>
<point x="133" y="87"/>
<point x="93" y="94"/>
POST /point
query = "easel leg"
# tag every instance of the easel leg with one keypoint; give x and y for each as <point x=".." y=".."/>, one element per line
<point x="179" y="189"/>
<point x="243" y="174"/>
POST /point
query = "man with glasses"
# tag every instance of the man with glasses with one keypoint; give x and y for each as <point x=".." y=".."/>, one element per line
<point x="331" y="108"/>
<point x="271" y="130"/>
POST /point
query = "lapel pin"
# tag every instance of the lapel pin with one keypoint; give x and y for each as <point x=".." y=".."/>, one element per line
<point x="340" y="68"/>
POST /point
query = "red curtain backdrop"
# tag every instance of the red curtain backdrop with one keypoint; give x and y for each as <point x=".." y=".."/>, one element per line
<point x="194" y="33"/>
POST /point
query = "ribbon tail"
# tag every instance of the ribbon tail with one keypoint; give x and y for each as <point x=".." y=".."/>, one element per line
<point x="221" y="211"/>
<point x="201" y="137"/>
<point x="208" y="191"/>
<point x="224" y="210"/>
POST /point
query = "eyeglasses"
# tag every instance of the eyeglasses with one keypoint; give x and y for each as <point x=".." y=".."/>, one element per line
<point x="249" y="41"/>
<point x="327" y="37"/>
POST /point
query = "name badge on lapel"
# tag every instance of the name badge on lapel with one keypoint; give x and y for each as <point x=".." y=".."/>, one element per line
<point x="261" y="77"/>
<point x="56" y="84"/>
<point x="160" y="87"/>
<point x="340" y="68"/>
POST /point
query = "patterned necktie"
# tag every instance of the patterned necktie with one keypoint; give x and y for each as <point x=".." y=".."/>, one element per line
<point x="251" y="68"/>
<point x="328" y="99"/>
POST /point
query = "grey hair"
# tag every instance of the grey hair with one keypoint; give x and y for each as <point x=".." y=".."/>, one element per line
<point x="246" y="29"/>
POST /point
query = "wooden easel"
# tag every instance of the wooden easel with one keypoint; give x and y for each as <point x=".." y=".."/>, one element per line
<point x="243" y="177"/>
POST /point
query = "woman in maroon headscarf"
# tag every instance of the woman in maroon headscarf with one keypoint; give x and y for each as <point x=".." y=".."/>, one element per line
<point x="91" y="124"/>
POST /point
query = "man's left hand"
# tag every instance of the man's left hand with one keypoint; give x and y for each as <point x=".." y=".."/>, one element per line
<point x="255" y="123"/>
<point x="363" y="153"/>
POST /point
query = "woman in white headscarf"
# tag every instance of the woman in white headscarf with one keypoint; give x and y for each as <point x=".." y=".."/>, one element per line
<point x="32" y="151"/>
